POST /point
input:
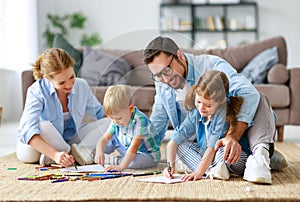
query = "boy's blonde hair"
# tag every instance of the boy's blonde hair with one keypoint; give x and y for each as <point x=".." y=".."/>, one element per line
<point x="116" y="98"/>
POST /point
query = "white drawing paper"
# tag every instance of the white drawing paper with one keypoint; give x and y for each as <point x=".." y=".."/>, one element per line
<point x="86" y="168"/>
<point x="162" y="179"/>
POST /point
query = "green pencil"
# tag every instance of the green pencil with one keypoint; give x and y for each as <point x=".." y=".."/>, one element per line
<point x="74" y="164"/>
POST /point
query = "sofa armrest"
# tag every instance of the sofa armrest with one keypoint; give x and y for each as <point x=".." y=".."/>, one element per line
<point x="295" y="96"/>
<point x="27" y="80"/>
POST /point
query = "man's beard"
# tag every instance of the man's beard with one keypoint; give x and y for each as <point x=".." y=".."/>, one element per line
<point x="180" y="84"/>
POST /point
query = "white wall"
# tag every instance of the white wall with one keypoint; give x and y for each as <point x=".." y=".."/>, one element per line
<point x="280" y="17"/>
<point x="133" y="23"/>
<point x="121" y="24"/>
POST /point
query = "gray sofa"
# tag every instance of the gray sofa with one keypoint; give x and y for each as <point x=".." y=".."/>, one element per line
<point x="280" y="86"/>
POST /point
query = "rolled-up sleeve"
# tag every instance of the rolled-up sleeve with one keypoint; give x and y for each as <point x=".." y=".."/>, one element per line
<point x="241" y="86"/>
<point x="217" y="128"/>
<point x="29" y="122"/>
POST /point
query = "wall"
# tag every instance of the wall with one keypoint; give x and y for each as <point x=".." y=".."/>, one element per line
<point x="280" y="18"/>
<point x="132" y="23"/>
<point x="121" y="24"/>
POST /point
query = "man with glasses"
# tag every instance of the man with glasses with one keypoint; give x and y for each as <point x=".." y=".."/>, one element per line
<point x="174" y="72"/>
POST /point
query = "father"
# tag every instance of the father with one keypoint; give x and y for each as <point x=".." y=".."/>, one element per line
<point x="174" y="72"/>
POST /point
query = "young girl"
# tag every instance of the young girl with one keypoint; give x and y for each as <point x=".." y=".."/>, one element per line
<point x="53" y="112"/>
<point x="211" y="113"/>
<point x="130" y="132"/>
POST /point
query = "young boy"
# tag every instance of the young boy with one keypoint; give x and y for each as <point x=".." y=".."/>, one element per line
<point x="131" y="133"/>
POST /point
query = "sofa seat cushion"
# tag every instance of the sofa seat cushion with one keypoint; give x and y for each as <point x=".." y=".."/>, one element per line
<point x="282" y="116"/>
<point x="278" y="95"/>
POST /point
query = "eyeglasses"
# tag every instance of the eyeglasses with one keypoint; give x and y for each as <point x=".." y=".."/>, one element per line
<point x="166" y="71"/>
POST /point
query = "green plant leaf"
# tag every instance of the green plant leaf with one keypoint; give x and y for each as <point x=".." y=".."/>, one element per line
<point x="59" y="23"/>
<point x="90" y="40"/>
<point x="49" y="36"/>
<point x="62" y="24"/>
<point x="77" y="20"/>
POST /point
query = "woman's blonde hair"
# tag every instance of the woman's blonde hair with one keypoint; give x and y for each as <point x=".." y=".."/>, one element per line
<point x="116" y="98"/>
<point x="214" y="85"/>
<point x="51" y="63"/>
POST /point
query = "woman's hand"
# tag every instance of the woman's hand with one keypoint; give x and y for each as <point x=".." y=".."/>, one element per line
<point x="191" y="177"/>
<point x="64" y="159"/>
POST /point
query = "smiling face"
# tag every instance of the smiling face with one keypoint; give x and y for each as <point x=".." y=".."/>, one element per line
<point x="175" y="77"/>
<point x="64" y="81"/>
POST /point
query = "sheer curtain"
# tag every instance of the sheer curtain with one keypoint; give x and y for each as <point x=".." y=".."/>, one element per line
<point x="18" y="49"/>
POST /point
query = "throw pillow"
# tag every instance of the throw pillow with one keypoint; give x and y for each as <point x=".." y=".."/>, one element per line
<point x="278" y="74"/>
<point x="103" y="69"/>
<point x="256" y="70"/>
<point x="60" y="42"/>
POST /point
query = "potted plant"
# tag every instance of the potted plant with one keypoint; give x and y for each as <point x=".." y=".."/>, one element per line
<point x="57" y="24"/>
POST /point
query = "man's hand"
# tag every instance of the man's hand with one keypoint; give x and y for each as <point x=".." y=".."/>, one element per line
<point x="232" y="149"/>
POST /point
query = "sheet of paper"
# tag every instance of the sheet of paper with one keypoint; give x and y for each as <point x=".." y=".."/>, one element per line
<point x="162" y="179"/>
<point x="87" y="168"/>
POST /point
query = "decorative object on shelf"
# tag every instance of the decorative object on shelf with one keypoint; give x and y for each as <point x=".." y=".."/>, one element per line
<point x="64" y="24"/>
<point x="215" y="20"/>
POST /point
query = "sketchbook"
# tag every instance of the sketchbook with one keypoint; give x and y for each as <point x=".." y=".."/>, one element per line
<point x="162" y="179"/>
<point x="84" y="169"/>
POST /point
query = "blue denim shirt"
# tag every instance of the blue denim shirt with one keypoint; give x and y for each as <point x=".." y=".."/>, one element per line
<point x="166" y="108"/>
<point x="216" y="129"/>
<point x="42" y="104"/>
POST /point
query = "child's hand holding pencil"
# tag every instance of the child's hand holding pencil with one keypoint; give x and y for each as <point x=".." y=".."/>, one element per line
<point x="168" y="171"/>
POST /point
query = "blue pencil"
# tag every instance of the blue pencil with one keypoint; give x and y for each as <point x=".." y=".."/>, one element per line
<point x="60" y="180"/>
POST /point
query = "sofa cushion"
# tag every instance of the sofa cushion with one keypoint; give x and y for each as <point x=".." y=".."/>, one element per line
<point x="256" y="70"/>
<point x="142" y="97"/>
<point x="133" y="57"/>
<point x="103" y="69"/>
<point x="60" y="42"/>
<point x="140" y="76"/>
<point x="278" y="94"/>
<point x="278" y="74"/>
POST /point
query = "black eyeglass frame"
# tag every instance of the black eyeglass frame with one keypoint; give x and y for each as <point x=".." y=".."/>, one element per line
<point x="159" y="76"/>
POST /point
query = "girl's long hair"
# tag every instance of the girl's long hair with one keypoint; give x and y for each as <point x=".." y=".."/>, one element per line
<point x="214" y="85"/>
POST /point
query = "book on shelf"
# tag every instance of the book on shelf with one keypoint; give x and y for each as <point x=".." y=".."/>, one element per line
<point x="219" y="22"/>
<point x="175" y="23"/>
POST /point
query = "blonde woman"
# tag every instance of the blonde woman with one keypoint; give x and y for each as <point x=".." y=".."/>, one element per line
<point x="53" y="113"/>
